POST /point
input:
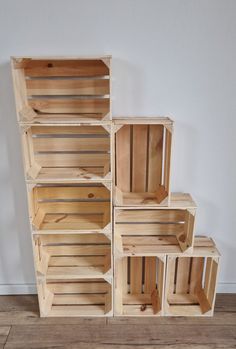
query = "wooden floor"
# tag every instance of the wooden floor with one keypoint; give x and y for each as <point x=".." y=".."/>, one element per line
<point x="20" y="327"/>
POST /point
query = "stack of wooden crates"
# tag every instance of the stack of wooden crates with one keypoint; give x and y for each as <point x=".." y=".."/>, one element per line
<point x="109" y="238"/>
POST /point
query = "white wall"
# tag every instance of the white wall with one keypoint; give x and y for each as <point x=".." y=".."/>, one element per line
<point x="170" y="57"/>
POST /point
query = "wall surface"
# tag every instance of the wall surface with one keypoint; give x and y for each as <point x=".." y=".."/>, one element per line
<point x="170" y="57"/>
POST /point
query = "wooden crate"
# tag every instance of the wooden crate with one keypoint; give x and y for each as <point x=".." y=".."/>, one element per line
<point x="72" y="256"/>
<point x="83" y="297"/>
<point x="66" y="153"/>
<point x="140" y="231"/>
<point x="142" y="160"/>
<point x="191" y="280"/>
<point x="58" y="89"/>
<point x="139" y="286"/>
<point x="70" y="208"/>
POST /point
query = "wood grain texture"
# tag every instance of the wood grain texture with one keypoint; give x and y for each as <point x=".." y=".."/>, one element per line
<point x="20" y="313"/>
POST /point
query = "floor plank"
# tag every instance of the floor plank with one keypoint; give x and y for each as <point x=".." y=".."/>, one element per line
<point x="52" y="335"/>
<point x="29" y="331"/>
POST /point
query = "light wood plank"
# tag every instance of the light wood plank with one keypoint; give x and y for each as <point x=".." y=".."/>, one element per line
<point x="136" y="274"/>
<point x="196" y="274"/>
<point x="61" y="67"/>
<point x="71" y="144"/>
<point x="67" y="87"/>
<point x="155" y="157"/>
<point x="182" y="279"/>
<point x="72" y="105"/>
<point x="123" y="153"/>
<point x="71" y="160"/>
<point x="139" y="156"/>
<point x="150" y="274"/>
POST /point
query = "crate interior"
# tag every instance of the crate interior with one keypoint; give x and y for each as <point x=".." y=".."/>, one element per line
<point x="70" y="207"/>
<point x="150" y="231"/>
<point x="72" y="256"/>
<point x="62" y="90"/>
<point x="142" y="155"/>
<point x="139" y="285"/>
<point x="85" y="297"/>
<point x="67" y="152"/>
<point x="191" y="283"/>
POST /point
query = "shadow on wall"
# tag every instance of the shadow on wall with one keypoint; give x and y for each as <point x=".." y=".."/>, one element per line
<point x="16" y="258"/>
<point x="184" y="159"/>
<point x="127" y="88"/>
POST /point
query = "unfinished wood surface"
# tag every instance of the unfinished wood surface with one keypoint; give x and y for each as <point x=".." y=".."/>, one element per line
<point x="60" y="89"/>
<point x="85" y="297"/>
<point x="68" y="257"/>
<point x="191" y="282"/>
<point x="139" y="285"/>
<point x="153" y="231"/>
<point x="66" y="153"/>
<point x="142" y="161"/>
<point x="177" y="201"/>
<point x="68" y="208"/>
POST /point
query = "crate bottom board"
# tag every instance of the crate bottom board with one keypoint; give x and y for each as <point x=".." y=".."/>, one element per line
<point x="67" y="221"/>
<point x="77" y="311"/>
<point x="53" y="174"/>
<point x="137" y="199"/>
<point x="188" y="305"/>
<point x="138" y="305"/>
<point x="149" y="245"/>
<point x="65" y="119"/>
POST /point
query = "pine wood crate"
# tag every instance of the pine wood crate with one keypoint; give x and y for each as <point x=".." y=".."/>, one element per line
<point x="191" y="280"/>
<point x="139" y="231"/>
<point x="66" y="153"/>
<point x="72" y="256"/>
<point x="84" y="297"/>
<point x="70" y="208"/>
<point x="67" y="90"/>
<point x="142" y="160"/>
<point x="139" y="286"/>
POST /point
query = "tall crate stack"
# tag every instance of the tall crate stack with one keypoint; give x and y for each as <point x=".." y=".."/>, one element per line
<point x="100" y="204"/>
<point x="64" y="114"/>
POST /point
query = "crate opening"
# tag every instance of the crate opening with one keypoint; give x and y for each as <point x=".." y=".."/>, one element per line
<point x="153" y="231"/>
<point x="63" y="90"/>
<point x="70" y="207"/>
<point x="72" y="256"/>
<point x="67" y="152"/>
<point x="139" y="285"/>
<point x="85" y="297"/>
<point x="142" y="164"/>
<point x="191" y="283"/>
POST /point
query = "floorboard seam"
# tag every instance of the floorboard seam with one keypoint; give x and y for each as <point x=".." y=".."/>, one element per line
<point x="7" y="337"/>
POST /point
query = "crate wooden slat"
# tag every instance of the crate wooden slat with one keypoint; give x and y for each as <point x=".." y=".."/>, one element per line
<point x="191" y="280"/>
<point x="69" y="257"/>
<point x="139" y="286"/>
<point x="66" y="153"/>
<point x="70" y="208"/>
<point x="54" y="90"/>
<point x="83" y="297"/>
<point x="160" y="230"/>
<point x="142" y="153"/>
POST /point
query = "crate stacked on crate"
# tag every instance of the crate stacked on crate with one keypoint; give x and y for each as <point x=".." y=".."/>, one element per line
<point x="64" y="114"/>
<point x="160" y="268"/>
